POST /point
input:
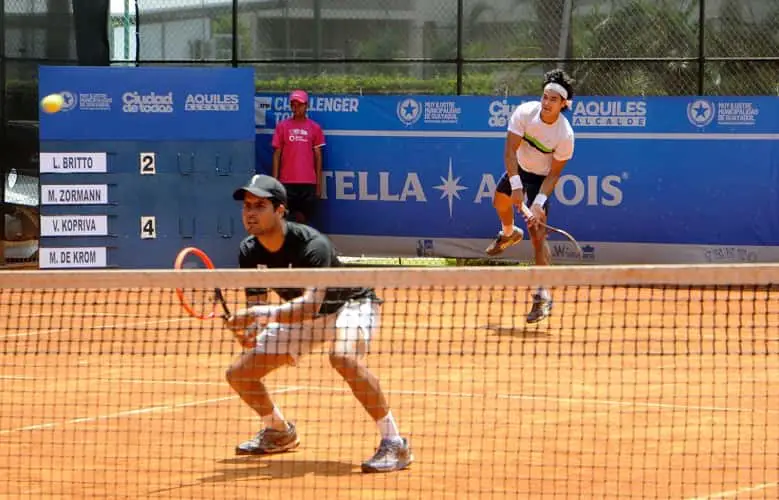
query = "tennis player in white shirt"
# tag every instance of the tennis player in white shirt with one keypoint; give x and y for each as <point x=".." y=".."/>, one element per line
<point x="539" y="143"/>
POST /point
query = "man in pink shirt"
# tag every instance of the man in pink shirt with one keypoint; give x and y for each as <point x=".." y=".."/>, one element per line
<point x="297" y="158"/>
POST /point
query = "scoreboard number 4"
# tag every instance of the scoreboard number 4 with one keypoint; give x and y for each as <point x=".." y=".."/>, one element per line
<point x="148" y="163"/>
<point x="148" y="227"/>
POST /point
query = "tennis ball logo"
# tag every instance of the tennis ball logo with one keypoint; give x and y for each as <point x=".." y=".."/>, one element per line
<point x="52" y="103"/>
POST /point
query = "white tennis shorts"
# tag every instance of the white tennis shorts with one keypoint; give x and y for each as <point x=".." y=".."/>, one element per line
<point x="349" y="331"/>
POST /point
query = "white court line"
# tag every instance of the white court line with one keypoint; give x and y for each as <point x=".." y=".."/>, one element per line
<point x="162" y="382"/>
<point x="637" y="404"/>
<point x="465" y="395"/>
<point x="737" y="492"/>
<point x="31" y="428"/>
<point x="32" y="333"/>
<point x="122" y="380"/>
<point x="59" y="314"/>
<point x="581" y="401"/>
<point x="136" y="411"/>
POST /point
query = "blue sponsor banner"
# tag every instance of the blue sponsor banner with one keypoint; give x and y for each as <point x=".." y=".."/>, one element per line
<point x="682" y="170"/>
<point x="489" y="114"/>
<point x="148" y="104"/>
<point x="159" y="150"/>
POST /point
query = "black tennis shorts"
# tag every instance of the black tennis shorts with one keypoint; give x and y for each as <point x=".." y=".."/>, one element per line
<point x="530" y="182"/>
<point x="301" y="198"/>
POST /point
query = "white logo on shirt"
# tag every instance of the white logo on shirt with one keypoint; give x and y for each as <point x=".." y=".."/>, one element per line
<point x="298" y="135"/>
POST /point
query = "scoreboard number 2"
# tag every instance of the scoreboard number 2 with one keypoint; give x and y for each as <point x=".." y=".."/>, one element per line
<point x="148" y="163"/>
<point x="148" y="227"/>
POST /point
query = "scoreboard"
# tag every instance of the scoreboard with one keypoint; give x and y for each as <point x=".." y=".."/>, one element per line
<point x="65" y="226"/>
<point x="141" y="162"/>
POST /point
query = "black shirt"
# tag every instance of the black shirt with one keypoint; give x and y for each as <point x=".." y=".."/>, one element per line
<point x="303" y="247"/>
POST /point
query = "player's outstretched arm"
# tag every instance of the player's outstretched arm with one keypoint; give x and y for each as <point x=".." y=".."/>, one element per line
<point x="547" y="187"/>
<point x="513" y="141"/>
<point x="296" y="310"/>
<point x="536" y="212"/>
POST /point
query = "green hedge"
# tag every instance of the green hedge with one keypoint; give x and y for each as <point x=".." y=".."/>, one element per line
<point x="483" y="84"/>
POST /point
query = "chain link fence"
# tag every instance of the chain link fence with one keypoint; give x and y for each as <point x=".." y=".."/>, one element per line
<point x="478" y="47"/>
<point x="488" y="47"/>
<point x="611" y="47"/>
<point x="38" y="29"/>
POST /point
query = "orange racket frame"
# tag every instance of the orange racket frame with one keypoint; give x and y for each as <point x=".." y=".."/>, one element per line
<point x="218" y="296"/>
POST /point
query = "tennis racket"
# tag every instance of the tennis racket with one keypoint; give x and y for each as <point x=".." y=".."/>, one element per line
<point x="526" y="212"/>
<point x="200" y="303"/>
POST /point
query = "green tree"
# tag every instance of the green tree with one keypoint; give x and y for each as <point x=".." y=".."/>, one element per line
<point x="641" y="29"/>
<point x="223" y="25"/>
<point x="552" y="27"/>
<point x="731" y="35"/>
<point x="608" y="31"/>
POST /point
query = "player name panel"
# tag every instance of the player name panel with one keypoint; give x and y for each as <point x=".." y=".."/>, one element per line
<point x="72" y="257"/>
<point x="74" y="225"/>
<point x="80" y="163"/>
<point x="74" y="194"/>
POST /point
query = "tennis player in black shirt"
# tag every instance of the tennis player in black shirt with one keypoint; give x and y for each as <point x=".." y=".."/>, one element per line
<point x="276" y="335"/>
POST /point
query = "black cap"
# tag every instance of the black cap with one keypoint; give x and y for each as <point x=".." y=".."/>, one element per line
<point x="263" y="186"/>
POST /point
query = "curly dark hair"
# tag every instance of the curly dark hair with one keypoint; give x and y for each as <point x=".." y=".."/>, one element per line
<point x="562" y="78"/>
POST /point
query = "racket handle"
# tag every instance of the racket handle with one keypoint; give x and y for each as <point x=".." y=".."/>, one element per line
<point x="528" y="214"/>
<point x="222" y="302"/>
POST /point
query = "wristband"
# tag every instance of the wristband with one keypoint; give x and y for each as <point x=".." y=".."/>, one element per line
<point x="266" y="312"/>
<point x="540" y="199"/>
<point x="516" y="182"/>
<point x="273" y="314"/>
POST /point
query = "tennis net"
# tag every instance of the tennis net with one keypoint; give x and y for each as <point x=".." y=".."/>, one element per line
<point x="645" y="382"/>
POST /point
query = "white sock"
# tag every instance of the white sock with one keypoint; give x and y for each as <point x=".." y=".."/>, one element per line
<point x="388" y="428"/>
<point x="275" y="420"/>
<point x="509" y="230"/>
<point x="544" y="293"/>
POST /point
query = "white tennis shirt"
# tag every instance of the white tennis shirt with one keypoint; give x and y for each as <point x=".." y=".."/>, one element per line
<point x="541" y="142"/>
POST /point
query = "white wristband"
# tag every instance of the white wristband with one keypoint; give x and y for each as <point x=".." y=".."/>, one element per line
<point x="516" y="182"/>
<point x="540" y="199"/>
<point x="273" y="314"/>
<point x="267" y="312"/>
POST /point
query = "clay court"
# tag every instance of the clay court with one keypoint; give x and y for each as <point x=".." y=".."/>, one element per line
<point x="117" y="394"/>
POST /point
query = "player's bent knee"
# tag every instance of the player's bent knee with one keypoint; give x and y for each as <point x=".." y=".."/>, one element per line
<point x="501" y="202"/>
<point x="254" y="367"/>
<point x="234" y="375"/>
<point x="343" y="363"/>
<point x="237" y="374"/>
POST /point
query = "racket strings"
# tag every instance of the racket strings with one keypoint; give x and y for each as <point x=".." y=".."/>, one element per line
<point x="201" y="301"/>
